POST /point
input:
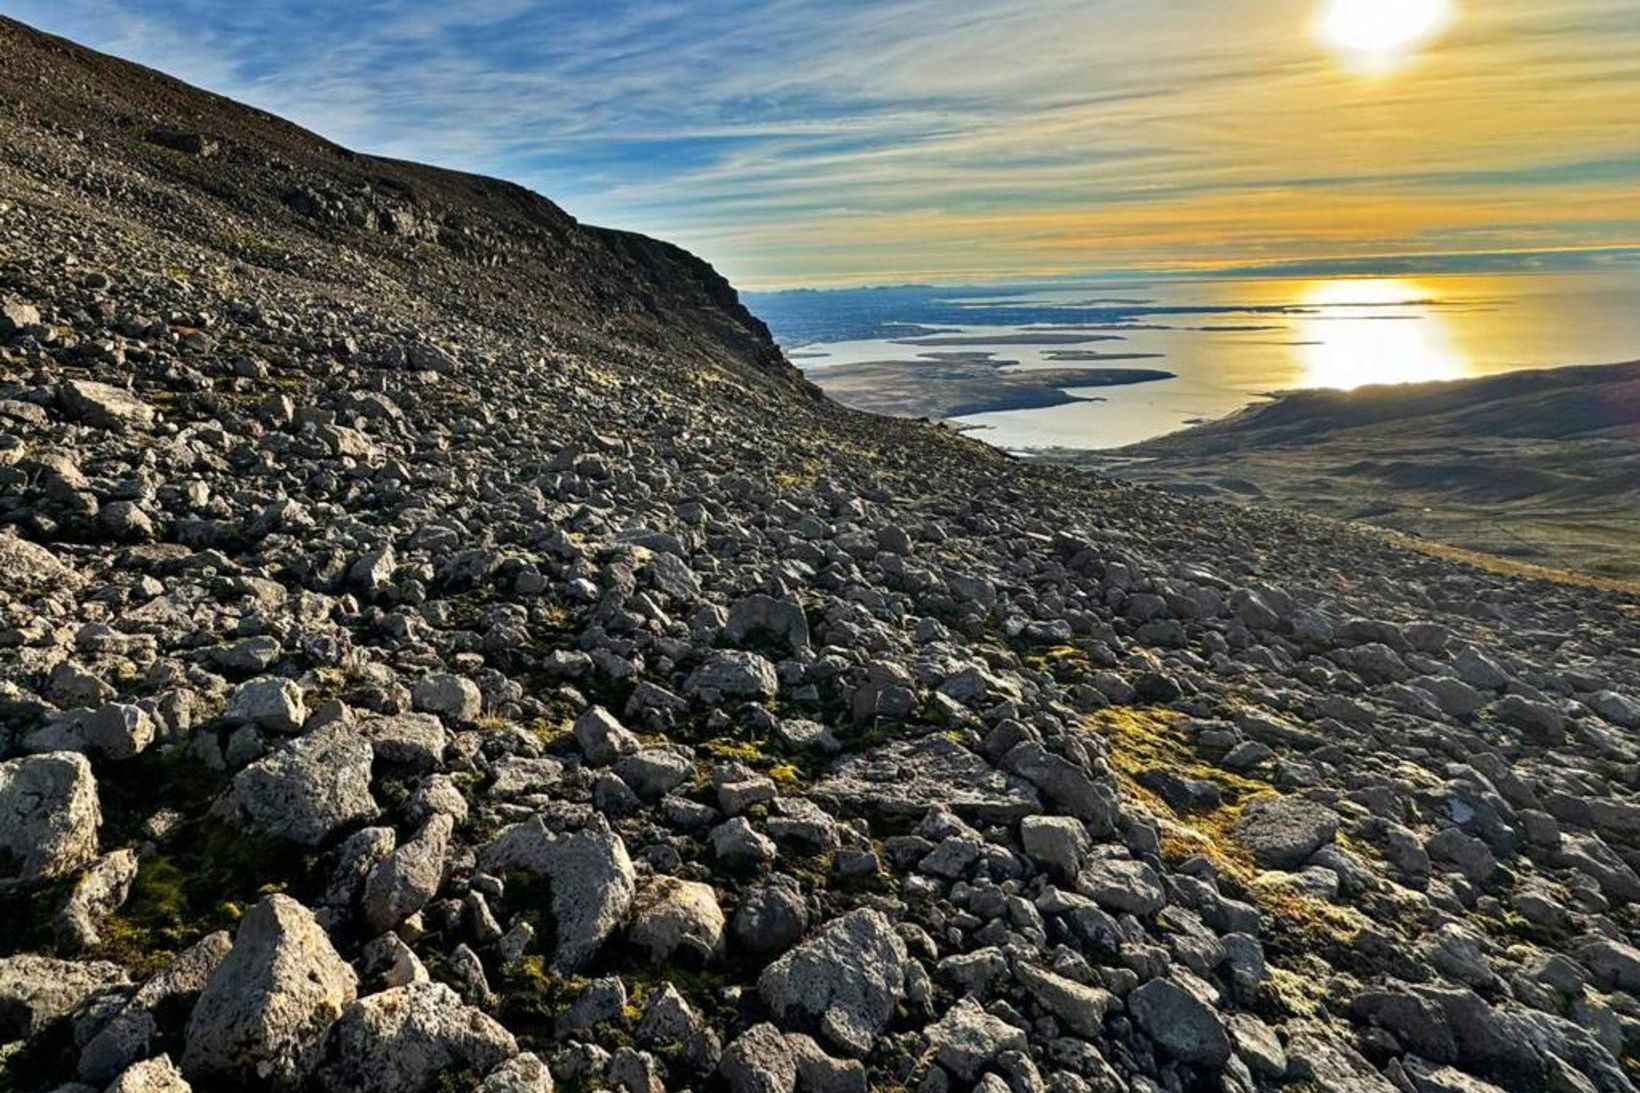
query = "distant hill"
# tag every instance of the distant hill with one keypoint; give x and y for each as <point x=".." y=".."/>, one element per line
<point x="1543" y="465"/>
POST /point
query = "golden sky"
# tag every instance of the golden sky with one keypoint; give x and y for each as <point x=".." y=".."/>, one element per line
<point x="800" y="142"/>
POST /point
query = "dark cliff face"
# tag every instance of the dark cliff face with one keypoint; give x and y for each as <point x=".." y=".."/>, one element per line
<point x="513" y="255"/>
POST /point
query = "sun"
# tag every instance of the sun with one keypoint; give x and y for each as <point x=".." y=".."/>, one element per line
<point x="1376" y="37"/>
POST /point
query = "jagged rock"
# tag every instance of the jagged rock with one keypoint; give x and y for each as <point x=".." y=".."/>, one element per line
<point x="270" y="703"/>
<point x="845" y="981"/>
<point x="590" y="878"/>
<point x="1333" y="1066"/>
<point x="1283" y="832"/>
<point x="402" y="1040"/>
<point x="770" y="920"/>
<point x="264" y="1011"/>
<point x="1057" y="841"/>
<point x="523" y="1073"/>
<point x="760" y="617"/>
<point x="1082" y="1008"/>
<point x="672" y="916"/>
<point x="455" y="698"/>
<point x="412" y="740"/>
<point x="310" y="787"/>
<point x="26" y="566"/>
<point x="49" y="814"/>
<point x="759" y="1061"/>
<point x="602" y="738"/>
<point x="117" y="730"/>
<point x="409" y="877"/>
<point x="157" y="1075"/>
<point x="36" y="991"/>
<point x="1181" y="1023"/>
<point x="733" y="673"/>
<point x="129" y="1034"/>
<point x="906" y="779"/>
<point x="1122" y="885"/>
<point x="104" y="406"/>
<point x="967" y="1038"/>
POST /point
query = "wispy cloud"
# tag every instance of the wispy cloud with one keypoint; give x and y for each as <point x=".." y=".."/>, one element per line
<point x="805" y="141"/>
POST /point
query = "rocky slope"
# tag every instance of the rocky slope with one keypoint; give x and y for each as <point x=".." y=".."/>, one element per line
<point x="445" y="647"/>
<point x="1538" y="465"/>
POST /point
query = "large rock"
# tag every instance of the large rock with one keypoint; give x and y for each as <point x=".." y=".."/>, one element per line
<point x="589" y="876"/>
<point x="49" y="814"/>
<point x="1183" y="1025"/>
<point x="104" y="406"/>
<point x="967" y="1038"/>
<point x="264" y="1012"/>
<point x="1079" y="1007"/>
<point x="763" y="618"/>
<point x="129" y="1035"/>
<point x="268" y="702"/>
<point x="36" y="991"/>
<point x="117" y="730"/>
<point x="402" y="1040"/>
<point x="27" y="567"/>
<point x="759" y="1060"/>
<point x="602" y="738"/>
<point x="671" y="916"/>
<point x="905" y="779"/>
<point x="733" y="673"/>
<point x="309" y="788"/>
<point x="1282" y="833"/>
<point x="157" y="1075"/>
<point x="845" y="981"/>
<point x="401" y="885"/>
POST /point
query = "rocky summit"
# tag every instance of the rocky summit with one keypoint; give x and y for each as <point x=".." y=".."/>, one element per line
<point x="444" y="646"/>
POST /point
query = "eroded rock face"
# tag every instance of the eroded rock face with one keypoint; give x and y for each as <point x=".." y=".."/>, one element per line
<point x="844" y="982"/>
<point x="264" y="1012"/>
<point x="49" y="814"/>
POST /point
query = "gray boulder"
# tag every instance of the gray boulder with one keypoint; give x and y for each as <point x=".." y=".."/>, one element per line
<point x="967" y="1038"/>
<point x="670" y="916"/>
<point x="1182" y="1024"/>
<point x="309" y="788"/>
<point x="263" y="1014"/>
<point x="759" y="1060"/>
<point x="402" y="1040"/>
<point x="589" y="875"/>
<point x="845" y="981"/>
<point x="49" y="814"/>
<point x="268" y="702"/>
<point x="36" y="991"/>
<point x="1283" y="832"/>
<point x="410" y="876"/>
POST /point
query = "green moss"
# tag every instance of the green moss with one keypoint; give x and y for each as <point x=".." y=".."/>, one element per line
<point x="200" y="882"/>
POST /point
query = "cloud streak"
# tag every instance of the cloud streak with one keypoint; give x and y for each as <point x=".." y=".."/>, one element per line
<point x="817" y="141"/>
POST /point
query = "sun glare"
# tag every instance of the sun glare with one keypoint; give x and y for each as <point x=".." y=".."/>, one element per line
<point x="1375" y="37"/>
<point x="1374" y="331"/>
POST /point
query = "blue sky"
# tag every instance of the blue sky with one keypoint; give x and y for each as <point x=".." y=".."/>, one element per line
<point x="803" y="142"/>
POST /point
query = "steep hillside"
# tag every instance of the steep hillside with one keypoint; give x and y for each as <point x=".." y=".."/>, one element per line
<point x="444" y="646"/>
<point x="1542" y="466"/>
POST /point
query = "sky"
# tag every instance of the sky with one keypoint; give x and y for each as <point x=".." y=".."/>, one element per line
<point x="828" y="142"/>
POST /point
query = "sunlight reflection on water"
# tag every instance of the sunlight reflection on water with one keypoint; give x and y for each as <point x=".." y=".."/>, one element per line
<point x="1383" y="330"/>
